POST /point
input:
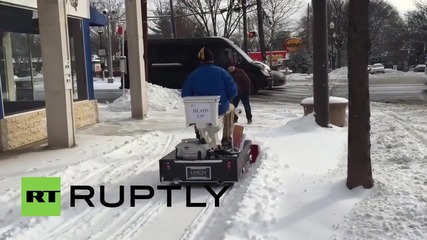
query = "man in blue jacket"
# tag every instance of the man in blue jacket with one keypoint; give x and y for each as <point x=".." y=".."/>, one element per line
<point x="210" y="80"/>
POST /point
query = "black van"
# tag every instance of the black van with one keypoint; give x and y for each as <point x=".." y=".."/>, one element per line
<point x="170" y="61"/>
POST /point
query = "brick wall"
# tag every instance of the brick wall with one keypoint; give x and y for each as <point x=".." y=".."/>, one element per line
<point x="30" y="127"/>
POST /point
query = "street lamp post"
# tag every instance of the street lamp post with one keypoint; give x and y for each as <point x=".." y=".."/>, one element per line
<point x="333" y="35"/>
<point x="110" y="50"/>
<point x="100" y="32"/>
<point x="172" y="20"/>
<point x="320" y="62"/>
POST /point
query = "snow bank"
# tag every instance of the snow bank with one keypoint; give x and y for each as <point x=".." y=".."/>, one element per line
<point x="333" y="100"/>
<point x="339" y="73"/>
<point x="391" y="70"/>
<point x="294" y="192"/>
<point x="159" y="99"/>
<point x="295" y="126"/>
<point x="299" y="77"/>
<point x="397" y="209"/>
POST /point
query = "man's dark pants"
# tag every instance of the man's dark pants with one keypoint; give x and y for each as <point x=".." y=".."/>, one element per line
<point x="245" y="101"/>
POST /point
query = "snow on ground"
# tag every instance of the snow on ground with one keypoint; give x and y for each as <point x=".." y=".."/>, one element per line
<point x="159" y="99"/>
<point x="99" y="83"/>
<point x="397" y="208"/>
<point x="299" y="77"/>
<point x="339" y="75"/>
<point x="296" y="190"/>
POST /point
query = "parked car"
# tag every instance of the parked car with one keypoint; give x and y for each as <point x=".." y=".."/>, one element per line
<point x="279" y="79"/>
<point x="377" y="68"/>
<point x="420" y="68"/>
<point x="369" y="67"/>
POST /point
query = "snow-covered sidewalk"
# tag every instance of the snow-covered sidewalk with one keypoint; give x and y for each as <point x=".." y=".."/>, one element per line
<point x="295" y="191"/>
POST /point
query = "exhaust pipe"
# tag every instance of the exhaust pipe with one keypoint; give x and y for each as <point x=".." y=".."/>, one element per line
<point x="219" y="182"/>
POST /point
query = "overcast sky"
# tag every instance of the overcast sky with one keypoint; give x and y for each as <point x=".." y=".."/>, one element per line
<point x="401" y="5"/>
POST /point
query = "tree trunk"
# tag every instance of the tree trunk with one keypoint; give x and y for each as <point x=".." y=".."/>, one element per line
<point x="320" y="63"/>
<point x="339" y="58"/>
<point x="359" y="171"/>
<point x="145" y="35"/>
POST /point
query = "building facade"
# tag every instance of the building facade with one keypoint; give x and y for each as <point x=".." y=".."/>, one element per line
<point x="46" y="71"/>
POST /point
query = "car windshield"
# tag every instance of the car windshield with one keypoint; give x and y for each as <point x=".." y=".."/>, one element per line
<point x="377" y="65"/>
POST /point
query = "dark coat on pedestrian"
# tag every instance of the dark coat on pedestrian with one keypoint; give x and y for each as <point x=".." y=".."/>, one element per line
<point x="242" y="80"/>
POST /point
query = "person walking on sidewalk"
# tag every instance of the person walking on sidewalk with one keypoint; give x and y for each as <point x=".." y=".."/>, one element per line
<point x="244" y="90"/>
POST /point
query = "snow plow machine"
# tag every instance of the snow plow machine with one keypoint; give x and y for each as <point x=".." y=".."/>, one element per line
<point x="198" y="160"/>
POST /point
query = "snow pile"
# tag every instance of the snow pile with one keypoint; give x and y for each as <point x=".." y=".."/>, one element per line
<point x="159" y="99"/>
<point x="299" y="77"/>
<point x="295" y="126"/>
<point x="121" y="104"/>
<point x="163" y="99"/>
<point x="294" y="187"/>
<point x="339" y="73"/>
<point x="299" y="184"/>
<point x="333" y="100"/>
<point x="397" y="209"/>
<point x="394" y="71"/>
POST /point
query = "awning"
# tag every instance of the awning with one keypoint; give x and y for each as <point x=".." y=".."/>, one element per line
<point x="18" y="20"/>
<point x="13" y="19"/>
<point x="96" y="18"/>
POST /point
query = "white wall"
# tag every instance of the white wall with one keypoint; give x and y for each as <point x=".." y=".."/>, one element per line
<point x="82" y="7"/>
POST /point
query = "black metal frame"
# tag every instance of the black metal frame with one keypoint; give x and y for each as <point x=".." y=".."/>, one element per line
<point x="225" y="167"/>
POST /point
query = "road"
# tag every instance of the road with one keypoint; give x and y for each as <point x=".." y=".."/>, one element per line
<point x="383" y="88"/>
<point x="378" y="93"/>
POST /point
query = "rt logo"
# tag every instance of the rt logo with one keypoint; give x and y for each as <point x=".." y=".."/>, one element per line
<point x="41" y="196"/>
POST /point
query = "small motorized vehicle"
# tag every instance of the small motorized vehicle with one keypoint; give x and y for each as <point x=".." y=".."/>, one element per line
<point x="194" y="160"/>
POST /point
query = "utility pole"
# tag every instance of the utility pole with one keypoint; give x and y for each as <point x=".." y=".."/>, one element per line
<point x="245" y="26"/>
<point x="145" y="35"/>
<point x="261" y="30"/>
<point x="307" y="40"/>
<point x="359" y="169"/>
<point x="173" y="25"/>
<point x="110" y="51"/>
<point x="320" y="63"/>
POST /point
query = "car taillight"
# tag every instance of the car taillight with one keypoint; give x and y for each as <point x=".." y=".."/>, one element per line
<point x="168" y="165"/>
<point x="229" y="165"/>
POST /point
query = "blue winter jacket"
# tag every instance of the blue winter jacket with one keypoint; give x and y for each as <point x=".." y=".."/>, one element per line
<point x="210" y="80"/>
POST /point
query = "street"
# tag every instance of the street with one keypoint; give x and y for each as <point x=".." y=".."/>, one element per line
<point x="389" y="87"/>
<point x="378" y="93"/>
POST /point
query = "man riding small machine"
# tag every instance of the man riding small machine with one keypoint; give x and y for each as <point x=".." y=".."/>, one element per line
<point x="198" y="160"/>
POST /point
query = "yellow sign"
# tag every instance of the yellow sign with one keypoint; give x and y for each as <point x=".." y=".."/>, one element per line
<point x="293" y="44"/>
<point x="274" y="57"/>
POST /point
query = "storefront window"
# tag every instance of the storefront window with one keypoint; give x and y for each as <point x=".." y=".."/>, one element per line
<point x="21" y="71"/>
<point x="21" y="61"/>
<point x="27" y="68"/>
